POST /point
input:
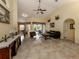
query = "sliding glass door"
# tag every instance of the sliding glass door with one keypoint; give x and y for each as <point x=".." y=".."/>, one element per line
<point x="38" y="27"/>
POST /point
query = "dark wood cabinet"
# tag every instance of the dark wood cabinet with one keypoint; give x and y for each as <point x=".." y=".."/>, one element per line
<point x="9" y="52"/>
<point x="0" y="56"/>
<point x="4" y="53"/>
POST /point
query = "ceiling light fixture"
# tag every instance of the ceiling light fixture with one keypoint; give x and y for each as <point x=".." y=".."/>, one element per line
<point x="24" y="15"/>
<point x="40" y="10"/>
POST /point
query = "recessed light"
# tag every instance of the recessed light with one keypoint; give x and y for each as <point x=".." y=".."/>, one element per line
<point x="24" y="15"/>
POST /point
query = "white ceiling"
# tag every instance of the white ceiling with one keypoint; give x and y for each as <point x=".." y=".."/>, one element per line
<point x="28" y="6"/>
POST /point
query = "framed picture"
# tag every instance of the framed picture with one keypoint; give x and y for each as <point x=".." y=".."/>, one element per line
<point x="4" y="1"/>
<point x="57" y="17"/>
<point x="4" y="15"/>
<point x="49" y="20"/>
<point x="52" y="24"/>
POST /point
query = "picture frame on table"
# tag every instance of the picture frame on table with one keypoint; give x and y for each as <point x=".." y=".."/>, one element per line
<point x="4" y="15"/>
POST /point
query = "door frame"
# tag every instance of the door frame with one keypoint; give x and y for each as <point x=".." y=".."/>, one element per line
<point x="71" y="27"/>
<point x="21" y="23"/>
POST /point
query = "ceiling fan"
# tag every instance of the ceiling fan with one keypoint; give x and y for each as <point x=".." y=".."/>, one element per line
<point x="39" y="10"/>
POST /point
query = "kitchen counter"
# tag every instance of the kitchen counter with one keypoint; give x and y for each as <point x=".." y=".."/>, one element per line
<point x="9" y="48"/>
<point x="9" y="41"/>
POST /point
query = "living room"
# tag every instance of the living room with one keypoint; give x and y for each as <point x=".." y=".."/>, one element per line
<point x="39" y="29"/>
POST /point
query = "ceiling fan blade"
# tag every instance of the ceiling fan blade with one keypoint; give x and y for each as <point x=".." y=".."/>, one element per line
<point x="35" y="10"/>
<point x="43" y="10"/>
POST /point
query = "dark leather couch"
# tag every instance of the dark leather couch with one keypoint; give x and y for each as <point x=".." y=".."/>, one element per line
<point x="54" y="34"/>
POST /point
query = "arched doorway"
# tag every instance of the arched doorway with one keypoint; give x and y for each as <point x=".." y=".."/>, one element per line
<point x="69" y="30"/>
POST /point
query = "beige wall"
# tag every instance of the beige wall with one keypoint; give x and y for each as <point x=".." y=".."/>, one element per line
<point x="33" y="20"/>
<point x="13" y="10"/>
<point x="36" y="20"/>
<point x="6" y="28"/>
<point x="65" y="12"/>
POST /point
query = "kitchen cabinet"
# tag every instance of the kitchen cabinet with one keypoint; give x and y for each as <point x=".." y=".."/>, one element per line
<point x="9" y="49"/>
<point x="4" y="53"/>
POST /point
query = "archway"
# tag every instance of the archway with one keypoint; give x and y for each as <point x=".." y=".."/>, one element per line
<point x="69" y="30"/>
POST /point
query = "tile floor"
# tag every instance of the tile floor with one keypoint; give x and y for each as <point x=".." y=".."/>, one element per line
<point x="49" y="49"/>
